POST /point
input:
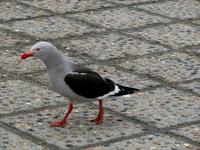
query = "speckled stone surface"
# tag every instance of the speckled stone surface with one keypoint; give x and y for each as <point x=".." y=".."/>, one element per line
<point x="193" y="132"/>
<point x="128" y="2"/>
<point x="121" y="18"/>
<point x="79" y="131"/>
<point x="193" y="86"/>
<point x="63" y="6"/>
<point x="25" y="97"/>
<point x="172" y="67"/>
<point x="11" y="10"/>
<point x="7" y="39"/>
<point x="42" y="78"/>
<point x="10" y="61"/>
<point x="111" y="46"/>
<point x="50" y="27"/>
<point x="193" y="50"/>
<point x="197" y="22"/>
<point x="175" y="35"/>
<point x="10" y="141"/>
<point x="128" y="41"/>
<point x="162" y="107"/>
<point x="180" y="9"/>
<point x="150" y="142"/>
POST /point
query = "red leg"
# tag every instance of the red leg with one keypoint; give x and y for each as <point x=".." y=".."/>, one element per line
<point x="99" y="118"/>
<point x="61" y="123"/>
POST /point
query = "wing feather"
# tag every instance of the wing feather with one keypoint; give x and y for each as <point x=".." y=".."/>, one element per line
<point x="88" y="84"/>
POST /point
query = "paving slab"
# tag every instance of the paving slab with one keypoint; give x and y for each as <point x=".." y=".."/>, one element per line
<point x="192" y="132"/>
<point x="175" y="35"/>
<point x="128" y="2"/>
<point x="9" y="141"/>
<point x="63" y="6"/>
<point x="79" y="131"/>
<point x="50" y="27"/>
<point x="111" y="46"/>
<point x="181" y="9"/>
<point x="17" y="95"/>
<point x="193" y="86"/>
<point x="150" y="142"/>
<point x="162" y="107"/>
<point x="120" y="18"/>
<point x="173" y="67"/>
<point x="7" y="39"/>
<point x="11" y="10"/>
<point x="30" y="107"/>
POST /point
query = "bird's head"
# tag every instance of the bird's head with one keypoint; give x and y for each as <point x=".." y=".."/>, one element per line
<point x="40" y="50"/>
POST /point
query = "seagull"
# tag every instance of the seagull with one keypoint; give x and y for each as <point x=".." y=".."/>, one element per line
<point x="77" y="83"/>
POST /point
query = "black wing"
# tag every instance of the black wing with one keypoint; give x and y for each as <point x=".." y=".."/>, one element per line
<point x="88" y="84"/>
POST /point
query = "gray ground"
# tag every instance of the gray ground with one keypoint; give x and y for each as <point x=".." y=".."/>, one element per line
<point x="153" y="45"/>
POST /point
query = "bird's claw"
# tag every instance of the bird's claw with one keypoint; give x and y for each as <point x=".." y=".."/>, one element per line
<point x="60" y="123"/>
<point x="97" y="120"/>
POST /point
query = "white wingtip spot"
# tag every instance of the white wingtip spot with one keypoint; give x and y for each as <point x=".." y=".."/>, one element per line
<point x="78" y="73"/>
<point x="128" y="95"/>
<point x="116" y="90"/>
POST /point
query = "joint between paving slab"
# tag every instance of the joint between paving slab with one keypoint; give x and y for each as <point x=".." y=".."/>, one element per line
<point x="183" y="50"/>
<point x="35" y="73"/>
<point x="191" y="53"/>
<point x="20" y="34"/>
<point x="13" y="76"/>
<point x="182" y="125"/>
<point x="28" y="136"/>
<point x="114" y="140"/>
<point x="33" y="110"/>
<point x="183" y="138"/>
<point x="169" y="84"/>
<point x="188" y="21"/>
<point x="188" y="81"/>
<point x="152" y="25"/>
<point x="140" y="3"/>
<point x="152" y="13"/>
<point x="34" y="7"/>
<point x="23" y="19"/>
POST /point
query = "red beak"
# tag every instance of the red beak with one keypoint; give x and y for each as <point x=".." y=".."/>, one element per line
<point x="26" y="54"/>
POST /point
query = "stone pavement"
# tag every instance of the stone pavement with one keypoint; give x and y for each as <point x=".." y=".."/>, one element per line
<point x="153" y="45"/>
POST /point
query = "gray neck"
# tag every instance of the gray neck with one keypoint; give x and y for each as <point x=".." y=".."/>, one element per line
<point x="56" y="60"/>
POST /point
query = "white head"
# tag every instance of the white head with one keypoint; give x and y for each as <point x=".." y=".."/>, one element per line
<point x="40" y="50"/>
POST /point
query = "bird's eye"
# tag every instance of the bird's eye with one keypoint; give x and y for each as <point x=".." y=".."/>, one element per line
<point x="37" y="49"/>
